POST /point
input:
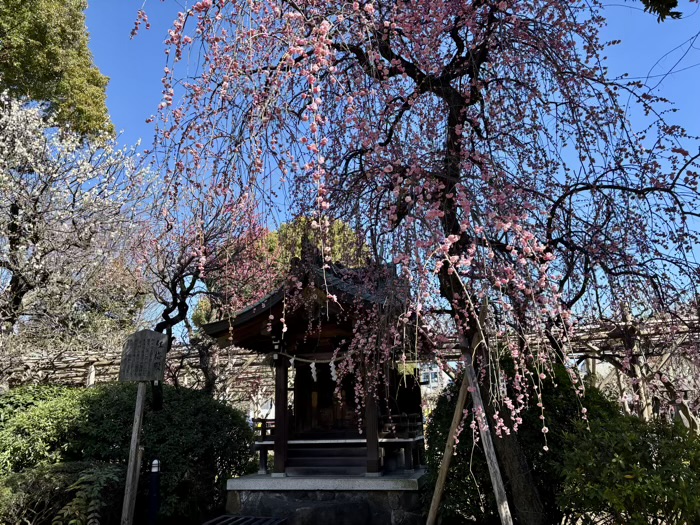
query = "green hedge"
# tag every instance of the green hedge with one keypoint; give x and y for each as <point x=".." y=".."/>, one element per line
<point x="199" y="442"/>
<point x="19" y="399"/>
<point x="622" y="469"/>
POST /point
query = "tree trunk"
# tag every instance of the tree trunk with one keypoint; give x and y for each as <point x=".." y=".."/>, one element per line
<point x="520" y="486"/>
<point x="18" y="286"/>
<point x="207" y="366"/>
<point x="470" y="383"/>
<point x="522" y="491"/>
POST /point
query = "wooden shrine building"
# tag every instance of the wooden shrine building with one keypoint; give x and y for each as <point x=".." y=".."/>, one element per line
<point x="305" y="328"/>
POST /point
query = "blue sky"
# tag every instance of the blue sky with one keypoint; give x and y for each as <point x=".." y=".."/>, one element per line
<point x="135" y="66"/>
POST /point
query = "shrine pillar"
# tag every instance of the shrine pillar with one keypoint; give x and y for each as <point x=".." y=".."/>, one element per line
<point x="281" y="415"/>
<point x="372" y="432"/>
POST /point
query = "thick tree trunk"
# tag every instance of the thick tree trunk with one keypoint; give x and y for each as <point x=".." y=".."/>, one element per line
<point x="520" y="486"/>
<point x="13" y="306"/>
<point x="18" y="286"/>
<point x="522" y="492"/>
<point x="470" y="383"/>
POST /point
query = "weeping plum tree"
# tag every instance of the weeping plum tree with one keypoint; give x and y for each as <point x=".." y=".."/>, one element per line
<point x="479" y="146"/>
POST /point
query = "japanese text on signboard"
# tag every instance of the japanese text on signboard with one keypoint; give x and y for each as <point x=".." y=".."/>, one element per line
<point x="143" y="357"/>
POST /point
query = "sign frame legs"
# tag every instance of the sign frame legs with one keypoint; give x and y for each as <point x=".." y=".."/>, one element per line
<point x="132" y="471"/>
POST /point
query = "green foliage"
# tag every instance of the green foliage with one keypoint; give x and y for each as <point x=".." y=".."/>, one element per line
<point x="199" y="442"/>
<point x="78" y="493"/>
<point x="260" y="270"/>
<point x="467" y="491"/>
<point x="44" y="57"/>
<point x="662" y="9"/>
<point x="202" y="313"/>
<point x="562" y="410"/>
<point x="20" y="399"/>
<point x="345" y="245"/>
<point x="94" y="497"/>
<point x="622" y="468"/>
<point x="632" y="472"/>
<point x="39" y="434"/>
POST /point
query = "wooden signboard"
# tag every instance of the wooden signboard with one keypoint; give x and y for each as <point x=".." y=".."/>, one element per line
<point x="143" y="357"/>
<point x="143" y="360"/>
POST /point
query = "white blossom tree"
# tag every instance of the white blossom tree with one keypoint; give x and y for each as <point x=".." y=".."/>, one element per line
<point x="67" y="211"/>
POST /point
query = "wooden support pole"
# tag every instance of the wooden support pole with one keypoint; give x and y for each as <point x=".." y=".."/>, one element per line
<point x="469" y="382"/>
<point x="132" y="471"/>
<point x="491" y="459"/>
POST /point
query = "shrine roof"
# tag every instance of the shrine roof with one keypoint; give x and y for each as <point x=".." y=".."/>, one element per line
<point x="346" y="285"/>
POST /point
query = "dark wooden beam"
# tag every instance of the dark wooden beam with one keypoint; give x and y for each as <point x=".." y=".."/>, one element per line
<point x="281" y="416"/>
<point x="372" y="431"/>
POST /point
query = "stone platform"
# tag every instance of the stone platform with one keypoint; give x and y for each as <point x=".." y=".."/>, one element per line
<point x="387" y="500"/>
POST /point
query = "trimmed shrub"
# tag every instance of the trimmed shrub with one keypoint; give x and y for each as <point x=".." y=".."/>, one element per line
<point x="199" y="442"/>
<point x="632" y="472"/>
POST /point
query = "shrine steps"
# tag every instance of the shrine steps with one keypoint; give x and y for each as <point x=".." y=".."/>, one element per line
<point x="327" y="461"/>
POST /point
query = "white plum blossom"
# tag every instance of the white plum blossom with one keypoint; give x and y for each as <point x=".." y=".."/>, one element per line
<point x="66" y="212"/>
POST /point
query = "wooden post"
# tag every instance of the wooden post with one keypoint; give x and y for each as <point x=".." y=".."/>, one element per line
<point x="469" y="382"/>
<point x="90" y="381"/>
<point x="132" y="471"/>
<point x="408" y="456"/>
<point x="372" y="433"/>
<point x="262" y="466"/>
<point x="281" y="418"/>
<point x="262" y="469"/>
<point x="143" y="361"/>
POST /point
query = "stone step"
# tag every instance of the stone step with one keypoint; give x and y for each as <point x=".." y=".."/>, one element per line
<point x="246" y="520"/>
